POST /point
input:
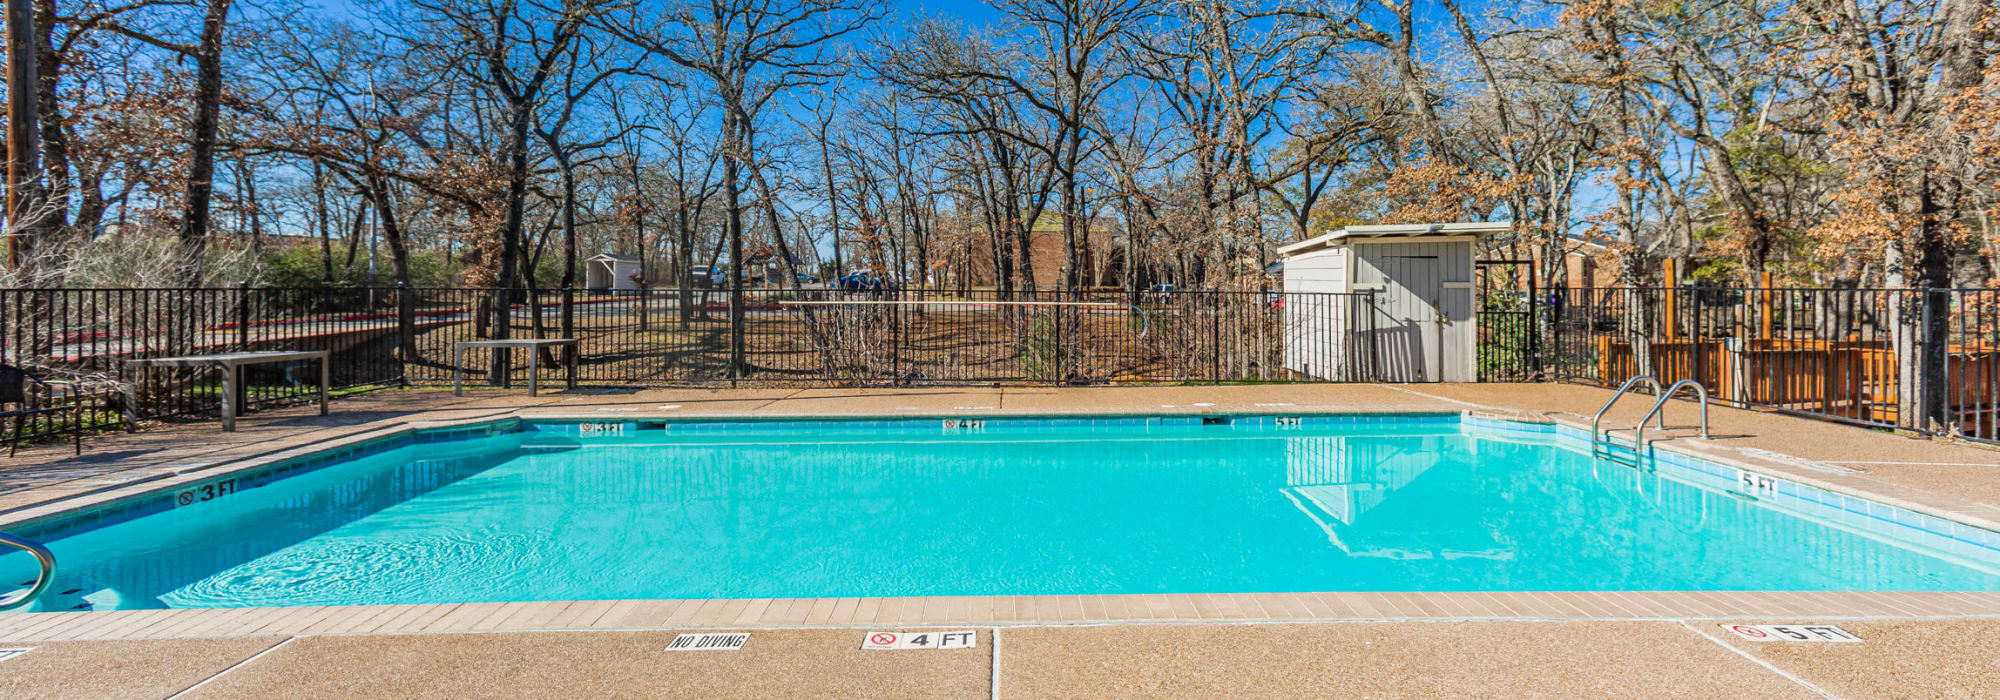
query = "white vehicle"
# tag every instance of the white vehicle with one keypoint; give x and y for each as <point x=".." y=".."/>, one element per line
<point x="704" y="276"/>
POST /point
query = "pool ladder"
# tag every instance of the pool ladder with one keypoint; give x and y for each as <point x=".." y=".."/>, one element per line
<point x="1601" y="439"/>
<point x="42" y="580"/>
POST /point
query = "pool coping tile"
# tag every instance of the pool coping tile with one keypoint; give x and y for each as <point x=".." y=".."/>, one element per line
<point x="1936" y="513"/>
<point x="990" y="611"/>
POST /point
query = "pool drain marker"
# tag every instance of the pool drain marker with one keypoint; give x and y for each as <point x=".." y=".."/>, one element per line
<point x="1794" y="633"/>
<point x="709" y="641"/>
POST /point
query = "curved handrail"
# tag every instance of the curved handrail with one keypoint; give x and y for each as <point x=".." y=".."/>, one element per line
<point x="1622" y="388"/>
<point x="42" y="581"/>
<point x="1701" y="394"/>
<point x="1145" y="324"/>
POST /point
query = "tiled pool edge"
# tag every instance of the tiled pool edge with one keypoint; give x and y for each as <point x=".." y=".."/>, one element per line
<point x="764" y="613"/>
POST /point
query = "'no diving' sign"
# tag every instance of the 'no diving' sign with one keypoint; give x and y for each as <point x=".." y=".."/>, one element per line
<point x="708" y="642"/>
<point x="920" y="640"/>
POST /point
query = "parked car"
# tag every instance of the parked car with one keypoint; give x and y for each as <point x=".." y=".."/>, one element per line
<point x="865" y="281"/>
<point x="707" y="277"/>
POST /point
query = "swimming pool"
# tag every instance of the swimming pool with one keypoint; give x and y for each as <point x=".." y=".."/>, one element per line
<point x="527" y="511"/>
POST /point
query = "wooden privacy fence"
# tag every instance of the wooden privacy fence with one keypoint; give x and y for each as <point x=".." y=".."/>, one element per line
<point x="1923" y="360"/>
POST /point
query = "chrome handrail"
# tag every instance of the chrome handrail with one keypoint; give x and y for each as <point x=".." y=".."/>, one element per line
<point x="1622" y="388"/>
<point x="42" y="581"/>
<point x="1700" y="393"/>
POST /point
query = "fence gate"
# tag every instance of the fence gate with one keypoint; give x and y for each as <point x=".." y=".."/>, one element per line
<point x="1508" y="298"/>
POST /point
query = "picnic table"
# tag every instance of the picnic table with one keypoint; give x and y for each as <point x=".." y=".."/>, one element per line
<point x="231" y="364"/>
<point x="534" y="357"/>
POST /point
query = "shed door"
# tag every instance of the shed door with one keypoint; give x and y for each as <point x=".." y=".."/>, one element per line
<point x="1408" y="339"/>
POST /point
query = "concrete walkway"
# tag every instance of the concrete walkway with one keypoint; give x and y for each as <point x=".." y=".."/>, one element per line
<point x="1643" y="659"/>
<point x="1934" y="645"/>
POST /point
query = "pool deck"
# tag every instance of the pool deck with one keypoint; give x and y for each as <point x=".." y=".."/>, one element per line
<point x="1325" y="644"/>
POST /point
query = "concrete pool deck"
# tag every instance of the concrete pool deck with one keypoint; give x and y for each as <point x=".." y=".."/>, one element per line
<point x="1267" y="644"/>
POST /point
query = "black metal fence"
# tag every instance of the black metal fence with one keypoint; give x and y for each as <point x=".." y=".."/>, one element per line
<point x="661" y="337"/>
<point x="1510" y="325"/>
<point x="1923" y="360"/>
<point x="71" y="341"/>
<point x="821" y="337"/>
<point x="1915" y="359"/>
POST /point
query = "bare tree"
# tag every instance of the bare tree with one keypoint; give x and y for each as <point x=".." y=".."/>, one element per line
<point x="750" y="51"/>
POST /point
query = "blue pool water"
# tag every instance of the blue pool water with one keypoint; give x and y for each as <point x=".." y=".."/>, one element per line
<point x="904" y="509"/>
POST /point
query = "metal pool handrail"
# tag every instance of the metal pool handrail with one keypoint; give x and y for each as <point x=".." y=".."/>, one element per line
<point x="1622" y="388"/>
<point x="42" y="580"/>
<point x="1701" y="394"/>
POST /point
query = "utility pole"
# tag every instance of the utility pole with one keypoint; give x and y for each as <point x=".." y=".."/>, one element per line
<point x="23" y="132"/>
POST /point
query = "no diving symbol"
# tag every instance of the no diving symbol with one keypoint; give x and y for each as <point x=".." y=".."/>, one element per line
<point x="883" y="639"/>
<point x="185" y="498"/>
<point x="1749" y="631"/>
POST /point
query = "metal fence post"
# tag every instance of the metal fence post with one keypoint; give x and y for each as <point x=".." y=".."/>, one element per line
<point x="1534" y="330"/>
<point x="569" y="331"/>
<point x="406" y="330"/>
<point x="1558" y="299"/>
<point x="896" y="336"/>
<point x="1055" y="342"/>
<point x="1935" y="344"/>
<point x="241" y="390"/>
<point x="1694" y="338"/>
<point x="1374" y="350"/>
<point x="242" y="316"/>
<point x="1215" y="337"/>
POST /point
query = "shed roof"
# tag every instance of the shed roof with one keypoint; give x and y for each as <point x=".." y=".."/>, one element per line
<point x="612" y="257"/>
<point x="1329" y="238"/>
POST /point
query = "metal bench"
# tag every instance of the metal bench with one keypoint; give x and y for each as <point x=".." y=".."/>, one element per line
<point x="231" y="364"/>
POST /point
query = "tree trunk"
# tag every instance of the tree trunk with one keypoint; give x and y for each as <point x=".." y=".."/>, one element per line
<point x="569" y="251"/>
<point x="399" y="261"/>
<point x="55" y="144"/>
<point x="24" y="195"/>
<point x="202" y="133"/>
<point x="732" y="202"/>
<point x="832" y="204"/>
<point x="325" y="227"/>
<point x="510" y="233"/>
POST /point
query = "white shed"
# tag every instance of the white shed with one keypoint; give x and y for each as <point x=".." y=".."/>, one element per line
<point x="605" y="271"/>
<point x="1420" y="326"/>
